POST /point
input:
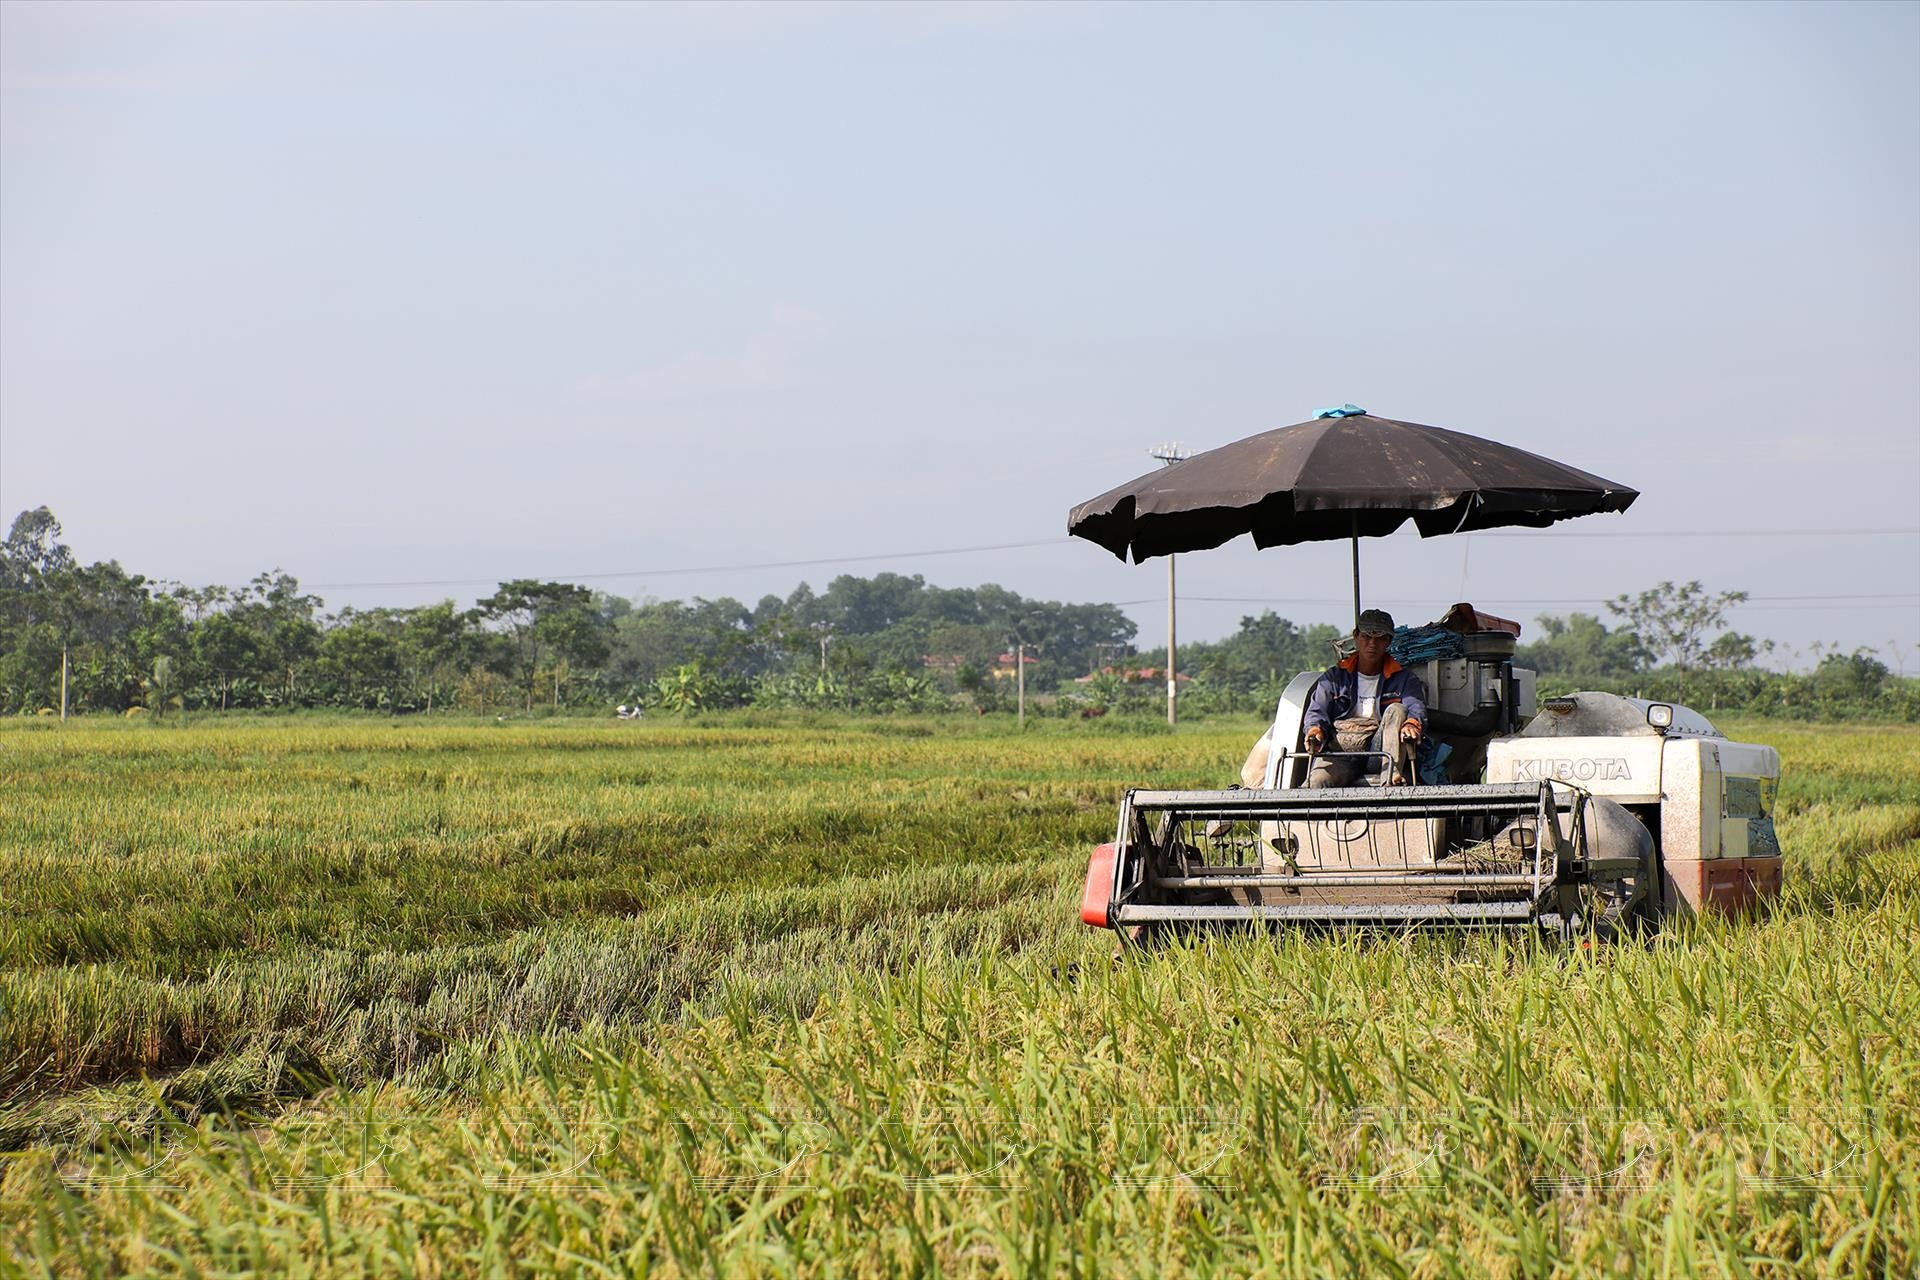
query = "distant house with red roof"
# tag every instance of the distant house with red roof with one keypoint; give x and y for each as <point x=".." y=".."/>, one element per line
<point x="1003" y="668"/>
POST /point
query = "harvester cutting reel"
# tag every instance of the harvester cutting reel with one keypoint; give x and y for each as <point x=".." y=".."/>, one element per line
<point x="1544" y="854"/>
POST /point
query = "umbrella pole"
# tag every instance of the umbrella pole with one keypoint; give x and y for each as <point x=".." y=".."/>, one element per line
<point x="1356" y="571"/>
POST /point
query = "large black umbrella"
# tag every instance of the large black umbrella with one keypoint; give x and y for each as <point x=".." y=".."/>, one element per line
<point x="1345" y="474"/>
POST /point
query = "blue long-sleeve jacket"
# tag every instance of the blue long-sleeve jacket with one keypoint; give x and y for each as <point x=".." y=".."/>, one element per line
<point x="1337" y="691"/>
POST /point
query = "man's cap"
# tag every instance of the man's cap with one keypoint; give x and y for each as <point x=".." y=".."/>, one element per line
<point x="1375" y="622"/>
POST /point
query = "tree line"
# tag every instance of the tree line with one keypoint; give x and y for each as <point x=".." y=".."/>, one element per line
<point x="116" y="640"/>
<point x="1671" y="643"/>
<point x="107" y="640"/>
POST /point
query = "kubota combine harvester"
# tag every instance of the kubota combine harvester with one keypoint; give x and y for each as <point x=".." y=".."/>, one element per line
<point x="1596" y="811"/>
<point x="1588" y="811"/>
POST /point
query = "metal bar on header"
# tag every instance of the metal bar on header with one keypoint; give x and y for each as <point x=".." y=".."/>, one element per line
<point x="1444" y="912"/>
<point x="1439" y="878"/>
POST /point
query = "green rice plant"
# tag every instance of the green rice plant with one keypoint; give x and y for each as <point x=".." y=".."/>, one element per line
<point x="365" y="998"/>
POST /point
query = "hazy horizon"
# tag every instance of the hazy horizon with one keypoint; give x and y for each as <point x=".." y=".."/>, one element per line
<point x="456" y="294"/>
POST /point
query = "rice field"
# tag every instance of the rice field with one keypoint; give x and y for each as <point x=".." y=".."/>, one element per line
<point x="368" y="998"/>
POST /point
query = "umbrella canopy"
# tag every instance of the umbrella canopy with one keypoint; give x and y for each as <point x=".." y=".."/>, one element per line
<point x="1348" y="476"/>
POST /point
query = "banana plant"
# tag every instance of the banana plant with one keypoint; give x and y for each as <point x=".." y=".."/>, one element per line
<point x="684" y="690"/>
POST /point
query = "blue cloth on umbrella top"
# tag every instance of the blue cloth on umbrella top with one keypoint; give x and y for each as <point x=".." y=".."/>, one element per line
<point x="1343" y="411"/>
<point x="1422" y="644"/>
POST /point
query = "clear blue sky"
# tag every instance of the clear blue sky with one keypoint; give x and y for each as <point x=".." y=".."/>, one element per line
<point x="440" y="293"/>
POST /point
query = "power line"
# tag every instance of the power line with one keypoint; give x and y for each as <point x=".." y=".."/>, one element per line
<point x="1066" y="541"/>
<point x="1814" y="608"/>
<point x="1757" y="605"/>
<point x="712" y="568"/>
<point x="1696" y="533"/>
<point x="1911" y="597"/>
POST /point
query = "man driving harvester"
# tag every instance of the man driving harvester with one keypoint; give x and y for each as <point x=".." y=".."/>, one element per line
<point x="1367" y="703"/>
<point x="1359" y="705"/>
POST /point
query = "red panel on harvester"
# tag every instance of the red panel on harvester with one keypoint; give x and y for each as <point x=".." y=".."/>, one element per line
<point x="1733" y="886"/>
<point x="1099" y="890"/>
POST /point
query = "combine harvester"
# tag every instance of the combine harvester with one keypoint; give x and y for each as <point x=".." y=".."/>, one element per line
<point x="1593" y="811"/>
<point x="1598" y="811"/>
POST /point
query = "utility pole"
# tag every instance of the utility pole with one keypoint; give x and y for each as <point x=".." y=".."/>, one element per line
<point x="1173" y="690"/>
<point x="825" y="632"/>
<point x="1017" y="643"/>
<point x="63" y="684"/>
<point x="1020" y="681"/>
<point x="1168" y="454"/>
